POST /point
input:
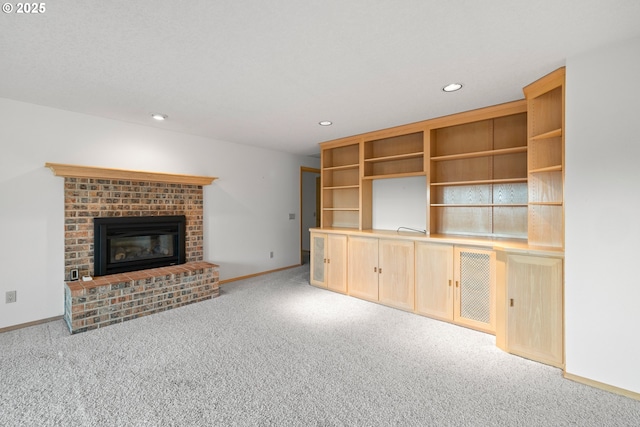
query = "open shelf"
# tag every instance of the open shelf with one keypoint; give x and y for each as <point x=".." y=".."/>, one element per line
<point x="494" y="221"/>
<point x="481" y="181"/>
<point x="344" y="167"/>
<point x="546" y="187"/>
<point x="340" y="218"/>
<point x="395" y="157"/>
<point x="478" y="178"/>
<point x="554" y="168"/>
<point x="545" y="203"/>
<point x="546" y="225"/>
<point x="397" y="167"/>
<point x="342" y="156"/>
<point x="395" y="175"/>
<point x="551" y="134"/>
<point x="341" y="187"/>
<point x="401" y="155"/>
<point x="545" y="105"/>
<point x="545" y="110"/>
<point x="487" y="171"/>
<point x="345" y="198"/>
<point x="485" y="153"/>
<point x="480" y="205"/>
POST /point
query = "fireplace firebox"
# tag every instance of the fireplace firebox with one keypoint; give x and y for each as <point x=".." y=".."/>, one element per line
<point x="124" y="244"/>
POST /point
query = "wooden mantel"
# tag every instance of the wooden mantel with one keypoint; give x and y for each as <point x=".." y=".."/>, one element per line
<point x="74" y="171"/>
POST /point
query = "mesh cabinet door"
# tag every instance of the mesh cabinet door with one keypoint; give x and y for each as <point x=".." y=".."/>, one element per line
<point x="474" y="304"/>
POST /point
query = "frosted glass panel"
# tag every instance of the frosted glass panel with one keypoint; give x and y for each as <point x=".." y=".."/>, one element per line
<point x="318" y="259"/>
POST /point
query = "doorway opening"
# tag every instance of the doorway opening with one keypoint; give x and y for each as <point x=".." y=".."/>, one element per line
<point x="309" y="208"/>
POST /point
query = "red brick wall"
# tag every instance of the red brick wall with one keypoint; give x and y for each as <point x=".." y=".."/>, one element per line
<point x="120" y="297"/>
<point x="87" y="198"/>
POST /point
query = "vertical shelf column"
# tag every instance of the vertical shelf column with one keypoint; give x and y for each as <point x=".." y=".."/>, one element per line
<point x="341" y="198"/>
<point x="545" y="132"/>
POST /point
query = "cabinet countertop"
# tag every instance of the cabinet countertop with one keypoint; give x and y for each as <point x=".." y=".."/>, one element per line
<point x="507" y="245"/>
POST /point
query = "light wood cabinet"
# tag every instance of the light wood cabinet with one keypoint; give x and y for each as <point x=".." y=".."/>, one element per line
<point x="329" y="261"/>
<point x="475" y="288"/>
<point x="363" y="267"/>
<point x="434" y="280"/>
<point x="534" y="308"/>
<point x="456" y="284"/>
<point x="545" y="129"/>
<point x="495" y="184"/>
<point x="382" y="270"/>
<point x="396" y="273"/>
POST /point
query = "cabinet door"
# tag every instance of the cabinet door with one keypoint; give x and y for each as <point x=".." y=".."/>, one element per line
<point x="363" y="267"/>
<point x="337" y="262"/>
<point x="318" y="259"/>
<point x="534" y="313"/>
<point x="474" y="296"/>
<point x="396" y="273"/>
<point x="434" y="280"/>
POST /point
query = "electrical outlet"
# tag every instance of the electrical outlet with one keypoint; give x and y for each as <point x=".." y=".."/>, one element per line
<point x="271" y="254"/>
<point x="292" y="216"/>
<point x="11" y="296"/>
<point x="74" y="274"/>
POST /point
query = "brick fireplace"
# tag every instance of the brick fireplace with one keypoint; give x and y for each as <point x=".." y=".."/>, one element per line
<point x="88" y="198"/>
<point x="96" y="193"/>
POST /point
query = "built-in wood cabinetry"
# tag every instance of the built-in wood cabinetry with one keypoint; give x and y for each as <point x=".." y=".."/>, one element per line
<point x="382" y="270"/>
<point x="494" y="180"/>
<point x="456" y="284"/>
<point x="434" y="280"/>
<point x="499" y="287"/>
<point x="394" y="156"/>
<point x="496" y="172"/>
<point x="534" y="310"/>
<point x="363" y="267"/>
<point x="545" y="108"/>
<point x="475" y="283"/>
<point x="479" y="177"/>
<point x="329" y="261"/>
<point x="340" y="198"/>
<point x="396" y="273"/>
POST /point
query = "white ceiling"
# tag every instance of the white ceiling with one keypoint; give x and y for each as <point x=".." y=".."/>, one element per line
<point x="265" y="73"/>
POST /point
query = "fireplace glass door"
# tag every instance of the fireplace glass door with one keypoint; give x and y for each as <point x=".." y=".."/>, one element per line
<point x="136" y="243"/>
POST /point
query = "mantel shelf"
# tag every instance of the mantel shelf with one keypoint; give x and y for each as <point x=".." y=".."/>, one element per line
<point x="73" y="171"/>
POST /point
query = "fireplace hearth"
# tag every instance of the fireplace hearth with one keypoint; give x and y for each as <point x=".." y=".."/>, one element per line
<point x="123" y="244"/>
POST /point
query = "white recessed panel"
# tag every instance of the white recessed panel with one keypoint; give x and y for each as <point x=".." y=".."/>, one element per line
<point x="400" y="202"/>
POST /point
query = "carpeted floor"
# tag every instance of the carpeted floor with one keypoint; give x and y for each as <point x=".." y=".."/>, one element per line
<point x="273" y="350"/>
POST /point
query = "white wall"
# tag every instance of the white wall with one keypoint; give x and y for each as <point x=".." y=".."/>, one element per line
<point x="602" y="290"/>
<point x="399" y="202"/>
<point x="246" y="210"/>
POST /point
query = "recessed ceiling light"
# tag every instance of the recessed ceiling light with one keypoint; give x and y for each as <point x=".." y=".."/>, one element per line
<point x="452" y="87"/>
<point x="325" y="123"/>
<point x="159" y="117"/>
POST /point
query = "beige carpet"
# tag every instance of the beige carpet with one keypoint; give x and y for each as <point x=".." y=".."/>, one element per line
<point x="273" y="350"/>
